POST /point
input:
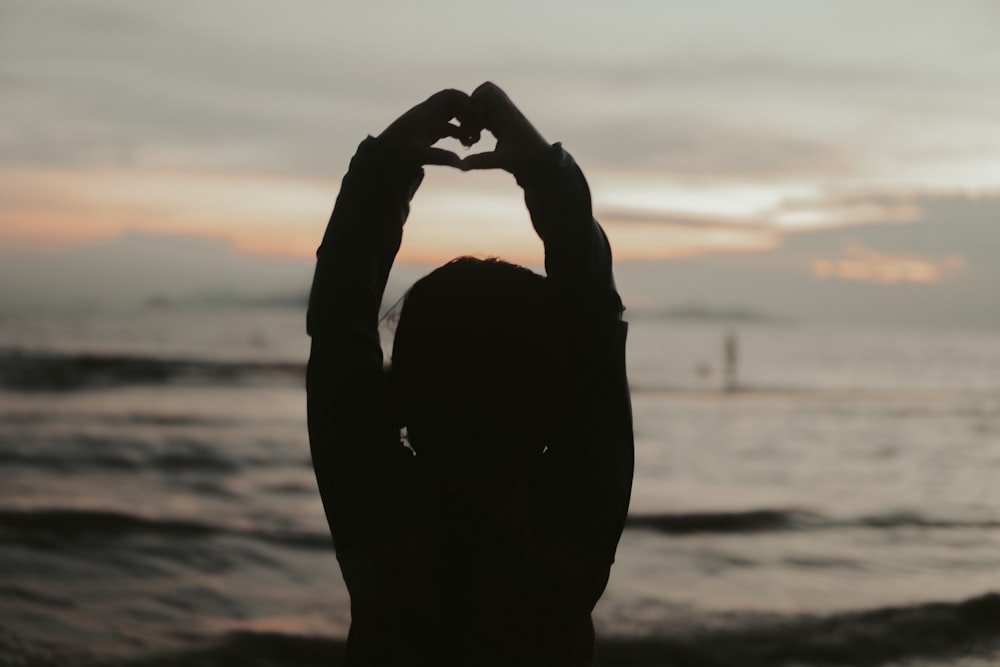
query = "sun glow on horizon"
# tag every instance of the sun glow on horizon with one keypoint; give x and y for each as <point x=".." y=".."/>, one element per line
<point x="453" y="214"/>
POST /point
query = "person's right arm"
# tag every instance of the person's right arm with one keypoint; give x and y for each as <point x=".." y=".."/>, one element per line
<point x="590" y="466"/>
<point x="594" y="459"/>
<point x="577" y="254"/>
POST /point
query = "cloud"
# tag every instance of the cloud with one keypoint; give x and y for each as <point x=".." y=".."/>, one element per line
<point x="768" y="92"/>
<point x="116" y="84"/>
<point x="864" y="264"/>
<point x="690" y="146"/>
<point x="955" y="241"/>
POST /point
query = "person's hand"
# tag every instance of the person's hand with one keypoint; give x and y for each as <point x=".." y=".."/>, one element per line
<point x="518" y="142"/>
<point x="416" y="131"/>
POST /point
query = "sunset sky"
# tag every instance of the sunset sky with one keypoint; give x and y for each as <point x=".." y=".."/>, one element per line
<point x="732" y="132"/>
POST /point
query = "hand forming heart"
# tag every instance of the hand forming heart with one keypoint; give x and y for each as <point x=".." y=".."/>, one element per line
<point x="487" y="108"/>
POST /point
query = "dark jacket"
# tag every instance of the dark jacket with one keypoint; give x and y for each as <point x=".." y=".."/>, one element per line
<point x="515" y="586"/>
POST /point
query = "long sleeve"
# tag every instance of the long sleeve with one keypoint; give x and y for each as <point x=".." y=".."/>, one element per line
<point x="351" y="433"/>
<point x="577" y="254"/>
<point x="589" y="468"/>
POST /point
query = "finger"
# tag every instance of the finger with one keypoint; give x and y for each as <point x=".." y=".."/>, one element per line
<point x="492" y="106"/>
<point x="438" y="108"/>
<point x="502" y="117"/>
<point x="439" y="156"/>
<point x="444" y="105"/>
<point x="491" y="160"/>
<point x="469" y="117"/>
<point x="470" y="136"/>
<point x="489" y="92"/>
<point x="508" y="159"/>
<point x="480" y="108"/>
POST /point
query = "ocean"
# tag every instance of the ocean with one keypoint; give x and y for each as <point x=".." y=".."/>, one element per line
<point x="837" y="506"/>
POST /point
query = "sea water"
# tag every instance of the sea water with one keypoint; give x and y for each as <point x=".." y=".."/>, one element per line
<point x="837" y="505"/>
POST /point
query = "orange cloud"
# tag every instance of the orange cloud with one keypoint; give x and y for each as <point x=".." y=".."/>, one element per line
<point x="258" y="214"/>
<point x="860" y="263"/>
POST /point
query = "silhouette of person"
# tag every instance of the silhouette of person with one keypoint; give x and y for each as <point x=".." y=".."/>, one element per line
<point x="731" y="355"/>
<point x="490" y="538"/>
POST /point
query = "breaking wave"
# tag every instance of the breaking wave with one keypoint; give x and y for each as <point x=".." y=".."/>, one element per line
<point x="50" y="371"/>
<point x="57" y="528"/>
<point x="769" y="520"/>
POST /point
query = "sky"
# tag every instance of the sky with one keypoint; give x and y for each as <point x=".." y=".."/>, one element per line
<point x="810" y="159"/>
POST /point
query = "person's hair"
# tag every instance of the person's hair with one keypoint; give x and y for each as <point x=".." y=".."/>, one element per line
<point x="474" y="361"/>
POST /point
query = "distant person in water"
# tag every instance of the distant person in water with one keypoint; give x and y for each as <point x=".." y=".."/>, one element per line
<point x="488" y="540"/>
<point x="731" y="355"/>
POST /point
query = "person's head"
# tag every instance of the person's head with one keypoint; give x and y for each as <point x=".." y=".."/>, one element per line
<point x="474" y="367"/>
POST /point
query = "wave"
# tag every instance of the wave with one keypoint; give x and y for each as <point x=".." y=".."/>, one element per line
<point x="122" y="461"/>
<point x="722" y="522"/>
<point x="37" y="371"/>
<point x="120" y="451"/>
<point x="58" y="528"/>
<point x="939" y="631"/>
<point x="860" y="639"/>
<point x="81" y="453"/>
<point x="40" y="417"/>
<point x="917" y="520"/>
<point x="844" y="394"/>
<point x="771" y="520"/>
<point x="54" y="527"/>
<point x="44" y="371"/>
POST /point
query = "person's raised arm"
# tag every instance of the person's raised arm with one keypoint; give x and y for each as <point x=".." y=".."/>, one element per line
<point x="347" y="411"/>
<point x="365" y="230"/>
<point x="577" y="255"/>
<point x="590" y="467"/>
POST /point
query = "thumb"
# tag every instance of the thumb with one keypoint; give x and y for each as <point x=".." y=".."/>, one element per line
<point x="510" y="160"/>
<point x="439" y="156"/>
<point x="490" y="160"/>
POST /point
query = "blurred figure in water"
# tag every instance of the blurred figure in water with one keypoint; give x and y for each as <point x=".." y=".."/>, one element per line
<point x="731" y="356"/>
<point x="489" y="540"/>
